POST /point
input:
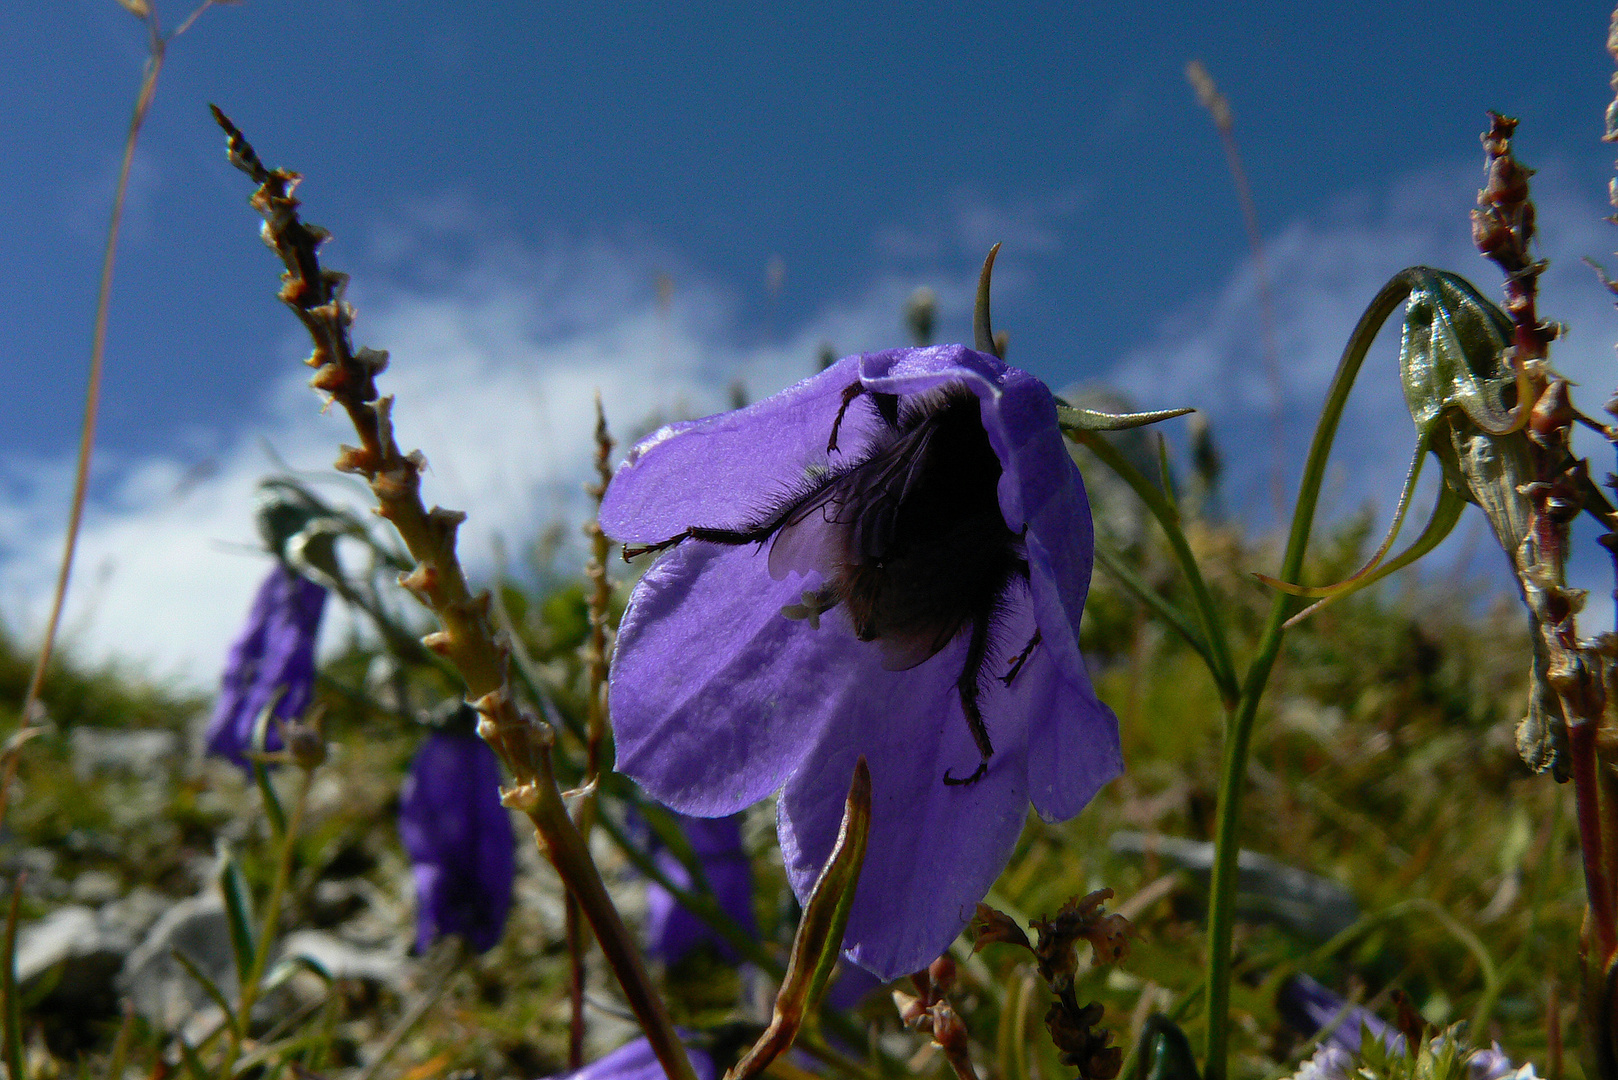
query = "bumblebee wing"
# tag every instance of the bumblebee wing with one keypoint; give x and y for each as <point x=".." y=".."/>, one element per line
<point x="901" y="651"/>
<point x="812" y="538"/>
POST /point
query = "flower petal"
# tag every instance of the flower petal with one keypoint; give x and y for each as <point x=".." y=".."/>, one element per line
<point x="1040" y="487"/>
<point x="722" y="471"/>
<point x="1073" y="747"/>
<point x="716" y="695"/>
<point x="934" y="848"/>
<point x="636" y="1061"/>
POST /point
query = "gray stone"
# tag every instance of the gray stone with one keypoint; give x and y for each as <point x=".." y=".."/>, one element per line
<point x="1311" y="906"/>
<point x="79" y="957"/>
<point x="149" y="753"/>
<point x="95" y="887"/>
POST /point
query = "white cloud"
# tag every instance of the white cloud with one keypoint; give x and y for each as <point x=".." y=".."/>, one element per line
<point x="498" y="350"/>
<point x="496" y="359"/>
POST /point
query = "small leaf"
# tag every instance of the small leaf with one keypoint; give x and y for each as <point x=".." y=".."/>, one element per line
<point x="1074" y="419"/>
<point x="138" y="8"/>
<point x="238" y="913"/>
<point x="819" y="940"/>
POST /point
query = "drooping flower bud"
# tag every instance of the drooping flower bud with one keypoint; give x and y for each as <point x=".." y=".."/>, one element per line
<point x="270" y="666"/>
<point x="458" y="836"/>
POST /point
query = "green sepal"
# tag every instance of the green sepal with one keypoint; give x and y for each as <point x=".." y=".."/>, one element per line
<point x="1164" y="1052"/>
<point x="982" y="330"/>
<point x="819" y="940"/>
<point x="1072" y="419"/>
<point x="272" y="802"/>
<point x="1453" y="355"/>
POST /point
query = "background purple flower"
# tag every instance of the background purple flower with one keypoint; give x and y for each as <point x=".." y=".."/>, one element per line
<point x="1309" y="1007"/>
<point x="672" y="932"/>
<point x="275" y="655"/>
<point x="719" y="698"/>
<point x="635" y="1061"/>
<point x="459" y="839"/>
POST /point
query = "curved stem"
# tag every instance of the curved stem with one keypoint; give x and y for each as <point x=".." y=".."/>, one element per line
<point x="1239" y="727"/>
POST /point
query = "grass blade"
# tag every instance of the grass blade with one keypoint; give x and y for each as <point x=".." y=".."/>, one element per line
<point x="8" y="988"/>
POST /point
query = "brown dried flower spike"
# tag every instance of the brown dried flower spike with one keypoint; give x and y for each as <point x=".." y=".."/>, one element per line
<point x="1072" y="1026"/>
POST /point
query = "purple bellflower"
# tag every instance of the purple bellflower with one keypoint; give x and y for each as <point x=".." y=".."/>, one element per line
<point x="672" y="932"/>
<point x="887" y="559"/>
<point x="636" y="1061"/>
<point x="273" y="661"/>
<point x="459" y="840"/>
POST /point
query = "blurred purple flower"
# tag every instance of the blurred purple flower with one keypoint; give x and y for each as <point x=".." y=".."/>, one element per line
<point x="635" y="1061"/>
<point x="272" y="661"/>
<point x="921" y="503"/>
<point x="1309" y="1007"/>
<point x="672" y="932"/>
<point x="459" y="839"/>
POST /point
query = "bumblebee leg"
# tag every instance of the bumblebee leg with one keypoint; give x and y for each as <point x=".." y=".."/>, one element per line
<point x="1022" y="658"/>
<point x="755" y="534"/>
<point x="850" y="392"/>
<point x="977" y="651"/>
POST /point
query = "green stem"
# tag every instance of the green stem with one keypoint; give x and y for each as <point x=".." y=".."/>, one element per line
<point x="1239" y="726"/>
<point x="1213" y="630"/>
<point x="268" y="922"/>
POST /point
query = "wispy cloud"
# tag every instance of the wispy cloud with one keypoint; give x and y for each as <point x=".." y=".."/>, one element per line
<point x="499" y="347"/>
<point x="1324" y="272"/>
<point x="497" y="353"/>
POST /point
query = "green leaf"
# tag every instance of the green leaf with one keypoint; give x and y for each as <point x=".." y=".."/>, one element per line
<point x="238" y="912"/>
<point x="193" y="1064"/>
<point x="819" y="940"/>
<point x="289" y="967"/>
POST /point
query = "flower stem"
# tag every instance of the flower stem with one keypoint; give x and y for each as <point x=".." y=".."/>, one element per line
<point x="267" y="922"/>
<point x="1239" y="723"/>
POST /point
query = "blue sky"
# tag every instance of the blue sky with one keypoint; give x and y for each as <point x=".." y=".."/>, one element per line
<point x="506" y="181"/>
